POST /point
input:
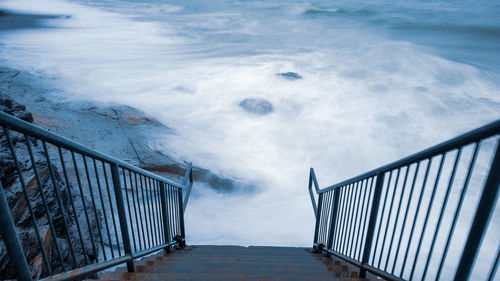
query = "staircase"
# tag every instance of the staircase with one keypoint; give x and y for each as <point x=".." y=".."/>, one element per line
<point x="238" y="263"/>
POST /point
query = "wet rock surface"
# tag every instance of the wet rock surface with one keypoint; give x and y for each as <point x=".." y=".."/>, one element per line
<point x="257" y="106"/>
<point x="57" y="195"/>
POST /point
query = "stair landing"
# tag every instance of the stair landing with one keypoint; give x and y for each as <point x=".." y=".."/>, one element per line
<point x="238" y="263"/>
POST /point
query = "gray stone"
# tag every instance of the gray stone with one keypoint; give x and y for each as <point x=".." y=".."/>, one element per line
<point x="257" y="105"/>
<point x="290" y="75"/>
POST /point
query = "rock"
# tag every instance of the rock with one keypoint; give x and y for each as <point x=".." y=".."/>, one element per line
<point x="11" y="107"/>
<point x="20" y="211"/>
<point x="290" y="75"/>
<point x="257" y="105"/>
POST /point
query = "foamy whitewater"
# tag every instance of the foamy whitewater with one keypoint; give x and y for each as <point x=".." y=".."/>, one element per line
<point x="380" y="80"/>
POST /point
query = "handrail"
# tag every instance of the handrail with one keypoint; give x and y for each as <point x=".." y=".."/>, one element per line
<point x="312" y="179"/>
<point x="14" y="123"/>
<point x="464" y="139"/>
<point x="381" y="221"/>
<point x="124" y="212"/>
<point x="188" y="184"/>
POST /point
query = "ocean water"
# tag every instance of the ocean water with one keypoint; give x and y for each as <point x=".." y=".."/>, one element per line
<point x="380" y="80"/>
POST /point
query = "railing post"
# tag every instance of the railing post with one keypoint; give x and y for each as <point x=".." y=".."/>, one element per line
<point x="312" y="179"/>
<point x="115" y="174"/>
<point x="333" y="220"/>
<point x="181" y="219"/>
<point x="164" y="214"/>
<point x="318" y="217"/>
<point x="371" y="223"/>
<point x="481" y="219"/>
<point x="10" y="237"/>
<point x="188" y="177"/>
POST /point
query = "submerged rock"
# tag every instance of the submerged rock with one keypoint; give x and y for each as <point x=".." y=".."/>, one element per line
<point x="290" y="75"/>
<point x="257" y="105"/>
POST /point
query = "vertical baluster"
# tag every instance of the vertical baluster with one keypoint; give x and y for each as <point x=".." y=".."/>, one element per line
<point x="494" y="266"/>
<point x="318" y="218"/>
<point x="389" y="215"/>
<point x="176" y="210"/>
<point x="11" y="239"/>
<point x="153" y="211"/>
<point x="481" y="219"/>
<point x="371" y="224"/>
<point x="28" y="201"/>
<point x="397" y="217"/>
<point x="429" y="209"/>
<point x="44" y="199"/>
<point x="158" y="200"/>
<point x="164" y="215"/>
<point x="174" y="220"/>
<point x="324" y="217"/>
<point x="103" y="206"/>
<point x="366" y="219"/>
<point x="343" y="195"/>
<point x="112" y="210"/>
<point x="382" y="214"/>
<point x="134" y="201"/>
<point x="158" y="211"/>
<point x="443" y="208"/>
<point x="145" y="211"/>
<point x="333" y="218"/>
<point x="458" y="208"/>
<point x="139" y="209"/>
<point x="338" y="220"/>
<point x="416" y="216"/>
<point x="357" y="221"/>
<point x="181" y="218"/>
<point x="346" y="219"/>
<point x="354" y="218"/>
<point x="94" y="205"/>
<point x="78" y="228"/>
<point x="122" y="216"/>
<point x="364" y="187"/>
<point x="59" y="202"/>
<point x="405" y="216"/>
<point x="124" y="175"/>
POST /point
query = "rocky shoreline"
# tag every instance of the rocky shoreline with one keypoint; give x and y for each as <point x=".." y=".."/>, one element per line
<point x="118" y="130"/>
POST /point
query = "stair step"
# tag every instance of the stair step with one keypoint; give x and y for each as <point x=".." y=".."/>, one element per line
<point x="241" y="259"/>
<point x="237" y="263"/>
<point x="241" y="268"/>
<point x="208" y="277"/>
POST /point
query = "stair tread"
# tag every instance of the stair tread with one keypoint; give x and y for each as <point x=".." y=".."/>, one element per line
<point x="221" y="276"/>
<point x="237" y="263"/>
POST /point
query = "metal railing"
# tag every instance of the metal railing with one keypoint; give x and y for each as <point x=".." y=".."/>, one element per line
<point x="83" y="210"/>
<point x="424" y="217"/>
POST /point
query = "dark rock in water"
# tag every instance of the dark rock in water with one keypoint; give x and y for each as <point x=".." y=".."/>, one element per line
<point x="257" y="105"/>
<point x="290" y="75"/>
<point x="9" y="106"/>
<point x="84" y="251"/>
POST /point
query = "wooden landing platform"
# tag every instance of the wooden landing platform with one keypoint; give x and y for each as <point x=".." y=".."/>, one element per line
<point x="238" y="263"/>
